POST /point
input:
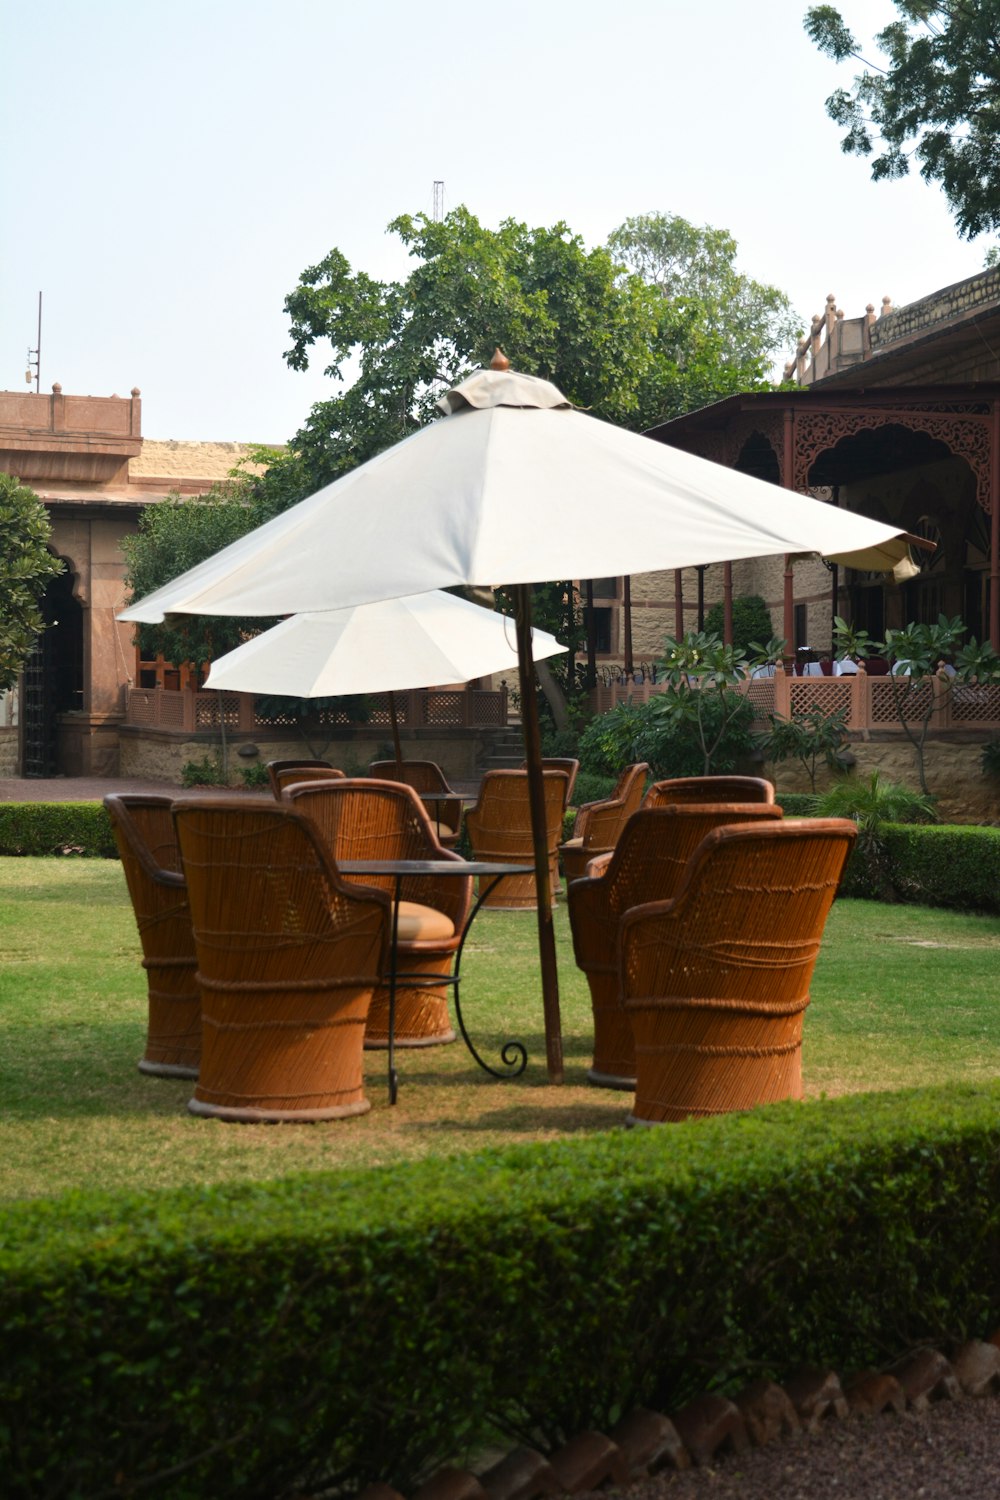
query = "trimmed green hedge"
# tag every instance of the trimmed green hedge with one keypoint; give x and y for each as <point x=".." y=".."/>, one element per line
<point x="945" y="864"/>
<point x="245" y="1340"/>
<point x="81" y="828"/>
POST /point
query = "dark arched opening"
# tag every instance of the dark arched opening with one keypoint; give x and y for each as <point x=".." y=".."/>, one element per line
<point x="53" y="677"/>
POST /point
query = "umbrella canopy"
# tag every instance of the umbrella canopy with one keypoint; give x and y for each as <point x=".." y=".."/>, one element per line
<point x="400" y="643"/>
<point x="512" y="487"/>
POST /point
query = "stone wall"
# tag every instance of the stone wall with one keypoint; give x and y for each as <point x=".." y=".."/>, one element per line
<point x="153" y="755"/>
<point x="10" y="755"/>
<point x="954" y="775"/>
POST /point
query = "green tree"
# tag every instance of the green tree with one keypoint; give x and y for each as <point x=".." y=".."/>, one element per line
<point x="745" y="322"/>
<point x="603" y="333"/>
<point x="808" y="738"/>
<point x="26" y="566"/>
<point x="935" y="98"/>
<point x="751" y="621"/>
<point x="175" y="535"/>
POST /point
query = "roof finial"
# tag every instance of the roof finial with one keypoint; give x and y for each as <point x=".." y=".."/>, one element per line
<point x="499" y="360"/>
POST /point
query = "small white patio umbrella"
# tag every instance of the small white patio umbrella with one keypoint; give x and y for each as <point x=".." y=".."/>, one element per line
<point x="513" y="487"/>
<point x="418" y="641"/>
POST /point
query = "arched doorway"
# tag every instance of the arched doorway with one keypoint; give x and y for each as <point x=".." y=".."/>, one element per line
<point x="53" y="677"/>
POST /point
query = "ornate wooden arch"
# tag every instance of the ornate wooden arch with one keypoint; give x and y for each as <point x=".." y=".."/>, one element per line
<point x="964" y="428"/>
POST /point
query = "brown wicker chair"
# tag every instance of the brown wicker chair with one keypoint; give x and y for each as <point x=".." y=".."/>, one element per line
<point x="599" y="825"/>
<point x="560" y="763"/>
<point x="364" y="818"/>
<point x="716" y="981"/>
<point x="712" y="789"/>
<point x="282" y="773"/>
<point x="647" y="864"/>
<point x="144" y="832"/>
<point x="288" y="959"/>
<point x="499" y="829"/>
<point x="427" y="777"/>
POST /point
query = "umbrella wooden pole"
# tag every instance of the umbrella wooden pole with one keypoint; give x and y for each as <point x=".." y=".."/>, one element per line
<point x="397" y="747"/>
<point x="536" y="800"/>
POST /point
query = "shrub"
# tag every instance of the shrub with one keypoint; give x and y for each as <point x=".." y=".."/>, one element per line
<point x="81" y="828"/>
<point x="591" y="786"/>
<point x="670" y="742"/>
<point x="337" y="1329"/>
<point x="946" y="866"/>
<point x="872" y="804"/>
<point x="255" y="775"/>
<point x="205" y="772"/>
<point x="751" y="621"/>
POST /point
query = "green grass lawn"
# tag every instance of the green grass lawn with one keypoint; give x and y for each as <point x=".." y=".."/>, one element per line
<point x="902" y="995"/>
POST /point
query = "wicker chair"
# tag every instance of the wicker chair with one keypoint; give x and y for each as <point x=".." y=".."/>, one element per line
<point x="599" y="825"/>
<point x="144" y="832"/>
<point x="426" y="776"/>
<point x="499" y="829"/>
<point x="712" y="789"/>
<point x="284" y="773"/>
<point x="647" y="864"/>
<point x="560" y="763"/>
<point x="364" y="818"/>
<point x="288" y="959"/>
<point x="716" y="981"/>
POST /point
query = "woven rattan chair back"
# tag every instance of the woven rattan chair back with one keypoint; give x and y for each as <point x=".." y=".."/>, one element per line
<point x="282" y="773"/>
<point x="365" y="818"/>
<point x="445" y="812"/>
<point x="709" y="789"/>
<point x="560" y="763"/>
<point x="147" y="843"/>
<point x="499" y="829"/>
<point x="716" y="982"/>
<point x="288" y="959"/>
<point x="599" y="825"/>
<point x="648" y="864"/>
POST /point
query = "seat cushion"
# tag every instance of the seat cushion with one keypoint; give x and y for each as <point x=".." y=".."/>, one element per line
<point x="422" y="924"/>
<point x="572" y="844"/>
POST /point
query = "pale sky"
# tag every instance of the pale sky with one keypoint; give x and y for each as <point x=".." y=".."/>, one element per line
<point x="169" y="170"/>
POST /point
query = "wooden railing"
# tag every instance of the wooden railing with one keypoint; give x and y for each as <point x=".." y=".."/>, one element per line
<point x="431" y="708"/>
<point x="870" y="702"/>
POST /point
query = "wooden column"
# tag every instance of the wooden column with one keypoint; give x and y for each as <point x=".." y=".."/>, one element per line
<point x="678" y="602"/>
<point x="627" y="606"/>
<point x="788" y="628"/>
<point x="995" y="526"/>
<point x="727" y="603"/>
<point x="788" y="481"/>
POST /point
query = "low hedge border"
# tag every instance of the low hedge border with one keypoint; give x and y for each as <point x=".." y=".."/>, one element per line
<point x="945" y="865"/>
<point x="343" y="1328"/>
<point x="80" y="828"/>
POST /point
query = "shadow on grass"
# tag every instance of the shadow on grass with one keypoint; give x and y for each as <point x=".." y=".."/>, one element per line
<point x="540" y="1121"/>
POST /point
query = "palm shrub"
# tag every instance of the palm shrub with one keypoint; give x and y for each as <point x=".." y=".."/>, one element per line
<point x="873" y="804"/>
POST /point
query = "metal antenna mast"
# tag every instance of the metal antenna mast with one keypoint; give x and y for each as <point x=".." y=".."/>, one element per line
<point x="35" y="355"/>
<point x="437" y="213"/>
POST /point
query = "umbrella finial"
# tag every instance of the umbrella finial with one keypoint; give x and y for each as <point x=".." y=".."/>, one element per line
<point x="499" y="360"/>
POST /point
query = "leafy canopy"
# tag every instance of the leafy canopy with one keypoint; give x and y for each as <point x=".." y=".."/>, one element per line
<point x="935" y="98"/>
<point x="743" y="322"/>
<point x="26" y="565"/>
<point x="603" y="332"/>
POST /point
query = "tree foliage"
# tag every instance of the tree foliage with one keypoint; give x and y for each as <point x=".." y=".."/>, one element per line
<point x="175" y="535"/>
<point x="936" y="98"/>
<point x="751" y="622"/>
<point x="26" y="566"/>
<point x="603" y="333"/>
<point x="745" y="323"/>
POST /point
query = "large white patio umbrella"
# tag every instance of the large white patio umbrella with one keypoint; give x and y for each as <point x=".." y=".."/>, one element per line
<point x="512" y="487"/>
<point x="414" y="642"/>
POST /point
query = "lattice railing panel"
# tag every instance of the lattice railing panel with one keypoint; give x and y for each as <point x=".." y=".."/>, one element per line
<point x="211" y="709"/>
<point x="913" y="700"/>
<point x="488" y="710"/>
<point x="760" y="691"/>
<point x="141" y="707"/>
<point x="444" y="708"/>
<point x="829" y="694"/>
<point x="975" y="705"/>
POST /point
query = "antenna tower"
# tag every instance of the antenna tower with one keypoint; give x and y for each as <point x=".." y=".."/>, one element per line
<point x="35" y="355"/>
